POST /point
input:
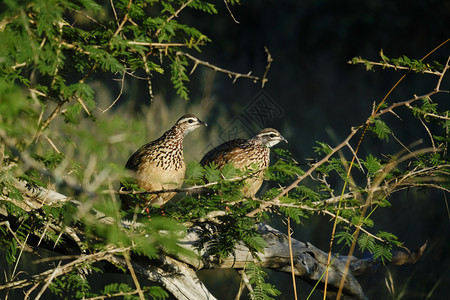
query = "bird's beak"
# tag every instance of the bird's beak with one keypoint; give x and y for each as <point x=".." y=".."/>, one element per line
<point x="203" y="123"/>
<point x="283" y="139"/>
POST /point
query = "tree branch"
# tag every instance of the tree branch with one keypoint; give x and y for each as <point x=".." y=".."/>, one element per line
<point x="231" y="74"/>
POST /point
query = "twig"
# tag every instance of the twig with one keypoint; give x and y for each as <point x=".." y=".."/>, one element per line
<point x="246" y="280"/>
<point x="133" y="275"/>
<point x="446" y="205"/>
<point x="52" y="144"/>
<point x="231" y="74"/>
<point x="369" y="198"/>
<point x="135" y="76"/>
<point x="269" y="63"/>
<point x="118" y="96"/>
<point x="91" y="18"/>
<point x="357" y="159"/>
<point x="83" y="105"/>
<point x="52" y="258"/>
<point x="358" y="227"/>
<point x="22" y="248"/>
<point x="49" y="119"/>
<point x="388" y="65"/>
<point x="48" y="281"/>
<point x="158" y="45"/>
<point x="229" y="11"/>
<point x="291" y="257"/>
<point x="179" y="190"/>
<point x="27" y="295"/>
<point x="114" y="11"/>
<point x="149" y="75"/>
<point x="429" y="134"/>
<point x="447" y="66"/>
<point x="435" y="116"/>
<point x="120" y="294"/>
<point x="125" y="19"/>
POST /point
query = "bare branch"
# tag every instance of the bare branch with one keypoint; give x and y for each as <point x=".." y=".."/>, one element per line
<point x="122" y="81"/>
<point x="269" y="63"/>
<point x="231" y="74"/>
<point x="230" y="12"/>
<point x="447" y="66"/>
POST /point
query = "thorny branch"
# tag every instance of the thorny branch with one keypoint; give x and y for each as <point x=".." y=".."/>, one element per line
<point x="388" y="65"/>
<point x="194" y="188"/>
<point x="379" y="178"/>
<point x="231" y="74"/>
<point x="346" y="142"/>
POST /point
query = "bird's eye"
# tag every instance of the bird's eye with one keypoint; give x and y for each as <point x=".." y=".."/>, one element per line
<point x="272" y="135"/>
<point x="191" y="121"/>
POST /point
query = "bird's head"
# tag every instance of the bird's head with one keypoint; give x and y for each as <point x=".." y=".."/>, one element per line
<point x="269" y="137"/>
<point x="188" y="122"/>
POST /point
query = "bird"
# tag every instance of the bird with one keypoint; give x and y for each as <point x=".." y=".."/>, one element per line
<point x="159" y="165"/>
<point x="244" y="154"/>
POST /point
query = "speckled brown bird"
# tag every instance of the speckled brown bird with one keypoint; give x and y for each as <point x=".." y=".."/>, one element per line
<point x="159" y="165"/>
<point x="244" y="154"/>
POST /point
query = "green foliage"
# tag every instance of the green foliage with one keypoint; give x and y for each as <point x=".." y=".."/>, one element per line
<point x="37" y="37"/>
<point x="194" y="173"/>
<point x="285" y="168"/>
<point x="382" y="252"/>
<point x="212" y="174"/>
<point x="262" y="290"/>
<point x="179" y="76"/>
<point x="372" y="164"/>
<point x="128" y="292"/>
<point x="366" y="242"/>
<point x="50" y="159"/>
<point x="232" y="230"/>
<point x="380" y="129"/>
<point x="322" y="148"/>
<point x="344" y="237"/>
<point x="71" y="285"/>
<point x="229" y="171"/>
<point x="294" y="213"/>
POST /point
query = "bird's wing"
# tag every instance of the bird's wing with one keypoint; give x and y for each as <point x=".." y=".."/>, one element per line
<point x="141" y="154"/>
<point x="223" y="153"/>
